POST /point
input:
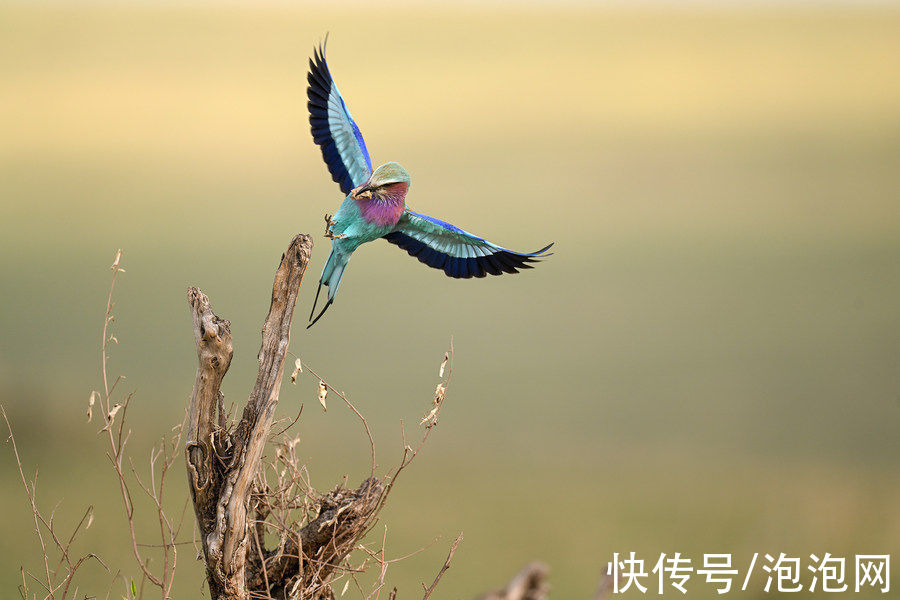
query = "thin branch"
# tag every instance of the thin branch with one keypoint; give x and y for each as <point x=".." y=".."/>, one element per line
<point x="118" y="439"/>
<point x="104" y="338"/>
<point x="430" y="421"/>
<point x="428" y="591"/>
<point x="34" y="510"/>
<point x="343" y="397"/>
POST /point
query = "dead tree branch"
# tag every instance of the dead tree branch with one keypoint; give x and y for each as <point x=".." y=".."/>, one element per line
<point x="241" y="500"/>
<point x="222" y="466"/>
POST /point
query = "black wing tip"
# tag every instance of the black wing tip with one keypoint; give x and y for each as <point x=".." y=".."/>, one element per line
<point x="535" y="257"/>
<point x="317" y="62"/>
<point x="319" y="48"/>
<point x="319" y="53"/>
<point x="511" y="262"/>
<point x="543" y="251"/>
<point x="498" y="263"/>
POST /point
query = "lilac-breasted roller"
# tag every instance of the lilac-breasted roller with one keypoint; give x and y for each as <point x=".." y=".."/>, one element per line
<point x="375" y="202"/>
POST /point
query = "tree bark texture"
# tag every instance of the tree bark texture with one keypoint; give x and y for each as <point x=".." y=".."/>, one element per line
<point x="223" y="465"/>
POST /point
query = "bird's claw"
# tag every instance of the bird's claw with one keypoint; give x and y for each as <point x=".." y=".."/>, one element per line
<point x="329" y="224"/>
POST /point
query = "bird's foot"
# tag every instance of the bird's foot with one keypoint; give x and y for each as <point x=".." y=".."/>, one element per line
<point x="329" y="224"/>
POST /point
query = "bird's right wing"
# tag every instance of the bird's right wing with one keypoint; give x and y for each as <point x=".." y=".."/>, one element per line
<point x="458" y="253"/>
<point x="333" y="129"/>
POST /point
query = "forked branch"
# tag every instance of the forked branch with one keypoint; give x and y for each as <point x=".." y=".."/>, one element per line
<point x="240" y="500"/>
<point x="221" y="465"/>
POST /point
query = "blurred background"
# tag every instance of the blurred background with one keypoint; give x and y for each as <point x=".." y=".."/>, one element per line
<point x="708" y="363"/>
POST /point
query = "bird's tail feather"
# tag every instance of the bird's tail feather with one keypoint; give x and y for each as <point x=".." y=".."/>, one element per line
<point x="331" y="277"/>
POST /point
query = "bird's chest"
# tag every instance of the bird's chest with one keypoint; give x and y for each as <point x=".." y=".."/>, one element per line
<point x="380" y="213"/>
<point x="366" y="220"/>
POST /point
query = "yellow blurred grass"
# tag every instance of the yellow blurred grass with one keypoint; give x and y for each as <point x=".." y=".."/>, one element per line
<point x="188" y="83"/>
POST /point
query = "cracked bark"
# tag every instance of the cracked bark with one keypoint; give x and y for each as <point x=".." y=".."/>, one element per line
<point x="221" y="465"/>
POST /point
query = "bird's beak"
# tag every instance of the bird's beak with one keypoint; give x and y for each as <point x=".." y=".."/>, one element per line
<point x="356" y="192"/>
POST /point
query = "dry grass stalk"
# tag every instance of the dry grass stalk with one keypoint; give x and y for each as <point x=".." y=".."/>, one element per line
<point x="55" y="583"/>
<point x="162" y="457"/>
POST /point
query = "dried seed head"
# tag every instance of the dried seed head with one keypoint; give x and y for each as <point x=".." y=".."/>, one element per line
<point x="110" y="416"/>
<point x="298" y="368"/>
<point x="444" y="364"/>
<point x="90" y="410"/>
<point x="115" y="264"/>
<point x="323" y="393"/>
<point x="430" y="420"/>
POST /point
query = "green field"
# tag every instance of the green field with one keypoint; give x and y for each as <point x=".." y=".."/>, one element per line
<point x="708" y="363"/>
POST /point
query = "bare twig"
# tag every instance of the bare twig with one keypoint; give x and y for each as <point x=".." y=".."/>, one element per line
<point x="162" y="457"/>
<point x="29" y="491"/>
<point x="343" y="397"/>
<point x="53" y="586"/>
<point x="444" y="568"/>
<point x="430" y="421"/>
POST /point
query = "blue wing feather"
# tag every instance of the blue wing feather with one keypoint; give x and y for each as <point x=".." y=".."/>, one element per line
<point x="333" y="129"/>
<point x="458" y="253"/>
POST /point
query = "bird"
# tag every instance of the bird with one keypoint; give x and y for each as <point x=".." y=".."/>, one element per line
<point x="374" y="205"/>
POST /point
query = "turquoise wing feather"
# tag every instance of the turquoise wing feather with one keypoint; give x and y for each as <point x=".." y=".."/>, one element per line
<point x="458" y="253"/>
<point x="333" y="129"/>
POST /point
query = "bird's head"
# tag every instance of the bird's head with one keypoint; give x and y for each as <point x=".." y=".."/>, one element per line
<point x="388" y="179"/>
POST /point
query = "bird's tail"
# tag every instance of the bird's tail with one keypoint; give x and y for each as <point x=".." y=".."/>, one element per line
<point x="331" y="277"/>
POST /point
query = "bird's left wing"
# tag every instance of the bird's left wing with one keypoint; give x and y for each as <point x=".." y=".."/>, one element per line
<point x="458" y="253"/>
<point x="333" y="129"/>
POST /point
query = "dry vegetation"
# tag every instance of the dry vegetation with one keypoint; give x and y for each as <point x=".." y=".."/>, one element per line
<point x="262" y="530"/>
